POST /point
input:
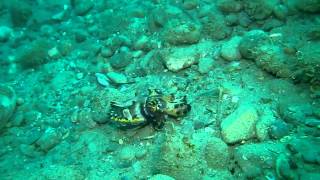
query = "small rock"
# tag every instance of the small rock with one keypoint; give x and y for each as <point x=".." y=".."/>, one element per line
<point x="161" y="177"/>
<point x="20" y="12"/>
<point x="59" y="16"/>
<point x="205" y="65"/>
<point x="93" y="142"/>
<point x="307" y="147"/>
<point x="190" y="4"/>
<point x="106" y="52"/>
<point x="214" y="25"/>
<point x="29" y="135"/>
<point x="240" y="125"/>
<point x="142" y="43"/>
<point x="112" y="147"/>
<point x="309" y="176"/>
<point x="259" y="9"/>
<point x="80" y="36"/>
<point x="292" y="148"/>
<point x="115" y="42"/>
<point x="117" y="78"/>
<point x="82" y="7"/>
<point x="79" y="76"/>
<point x="137" y="54"/>
<point x="229" y="50"/>
<point x="229" y="6"/>
<point x="251" y="171"/>
<point x="180" y="58"/>
<point x="137" y="168"/>
<point x="310" y="156"/>
<point x="62" y="80"/>
<point x="121" y="60"/>
<point x="250" y="43"/>
<point x="293" y="113"/>
<point x="102" y="79"/>
<point x="126" y="156"/>
<point x="199" y="124"/>
<point x="32" y="117"/>
<point x="34" y="54"/>
<point x="53" y="52"/>
<point x="248" y="155"/>
<point x="311" y="6"/>
<point x="178" y="32"/>
<point x="120" y="141"/>
<point x="263" y="125"/>
<point x="187" y="128"/>
<point x="316" y="112"/>
<point x="17" y="119"/>
<point x="312" y="122"/>
<point x="29" y="150"/>
<point x="280" y="11"/>
<point x="20" y="101"/>
<point x="141" y="153"/>
<point x="278" y="130"/>
<point x="5" y="33"/>
<point x="149" y="64"/>
<point x="232" y="20"/>
<point x="49" y="139"/>
<point x="216" y="153"/>
<point x="283" y="168"/>
<point x="8" y="102"/>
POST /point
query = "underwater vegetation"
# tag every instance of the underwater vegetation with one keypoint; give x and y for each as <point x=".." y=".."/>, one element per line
<point x="160" y="89"/>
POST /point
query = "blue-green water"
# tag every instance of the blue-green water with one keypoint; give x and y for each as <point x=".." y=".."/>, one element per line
<point x="160" y="89"/>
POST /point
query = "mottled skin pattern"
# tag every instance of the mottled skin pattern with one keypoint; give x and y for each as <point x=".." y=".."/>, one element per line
<point x="154" y="109"/>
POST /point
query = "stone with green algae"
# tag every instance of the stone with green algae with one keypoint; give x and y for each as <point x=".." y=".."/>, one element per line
<point x="240" y="125"/>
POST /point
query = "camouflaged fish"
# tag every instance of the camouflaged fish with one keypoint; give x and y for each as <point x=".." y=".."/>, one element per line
<point x="154" y="109"/>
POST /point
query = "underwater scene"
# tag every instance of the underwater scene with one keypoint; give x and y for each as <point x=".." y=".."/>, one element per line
<point x="160" y="89"/>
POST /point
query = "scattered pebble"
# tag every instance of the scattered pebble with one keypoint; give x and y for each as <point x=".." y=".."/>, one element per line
<point x="79" y="76"/>
<point x="54" y="52"/>
<point x="120" y="141"/>
<point x="102" y="79"/>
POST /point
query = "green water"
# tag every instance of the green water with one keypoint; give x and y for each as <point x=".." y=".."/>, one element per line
<point x="160" y="89"/>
